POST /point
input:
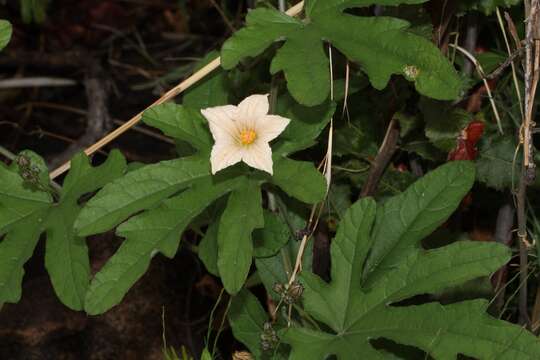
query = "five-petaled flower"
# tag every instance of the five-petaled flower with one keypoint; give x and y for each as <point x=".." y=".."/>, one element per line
<point x="242" y="133"/>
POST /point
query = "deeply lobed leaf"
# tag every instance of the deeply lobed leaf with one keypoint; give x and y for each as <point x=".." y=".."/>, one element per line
<point x="155" y="231"/>
<point x="139" y="190"/>
<point x="357" y="313"/>
<point x="404" y="220"/>
<point x="29" y="210"/>
<point x="241" y="217"/>
<point x="382" y="46"/>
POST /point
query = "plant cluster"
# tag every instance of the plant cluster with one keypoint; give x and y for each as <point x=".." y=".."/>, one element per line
<point x="347" y="81"/>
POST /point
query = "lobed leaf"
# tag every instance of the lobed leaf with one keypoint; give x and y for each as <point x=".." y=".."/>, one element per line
<point x="29" y="211"/>
<point x="299" y="179"/>
<point x="15" y="250"/>
<point x="138" y="190"/>
<point x="356" y="314"/>
<point x="155" y="231"/>
<point x="404" y="220"/>
<point x="497" y="165"/>
<point x="66" y="254"/>
<point x="246" y="317"/>
<point x="208" y="248"/>
<point x="306" y="124"/>
<point x="23" y="211"/>
<point x="213" y="90"/>
<point x="180" y="123"/>
<point x="268" y="240"/>
<point x="242" y="215"/>
<point x="5" y="33"/>
<point x="382" y="45"/>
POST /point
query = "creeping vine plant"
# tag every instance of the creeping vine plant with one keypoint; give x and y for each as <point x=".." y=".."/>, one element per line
<point x="28" y="207"/>
<point x="382" y="45"/>
<point x="159" y="228"/>
<point x="378" y="263"/>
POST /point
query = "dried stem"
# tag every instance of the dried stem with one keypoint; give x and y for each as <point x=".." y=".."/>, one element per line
<point x="386" y="151"/>
<point x="511" y="59"/>
<point x="503" y="235"/>
<point x="471" y="39"/>
<point x="532" y="56"/>
<point x="223" y="16"/>
<point x="178" y="89"/>
<point x="482" y="75"/>
<point x="509" y="62"/>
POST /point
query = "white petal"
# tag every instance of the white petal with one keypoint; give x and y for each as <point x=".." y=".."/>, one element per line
<point x="259" y="156"/>
<point x="225" y="154"/>
<point x="221" y="122"/>
<point x="270" y="126"/>
<point x="251" y="108"/>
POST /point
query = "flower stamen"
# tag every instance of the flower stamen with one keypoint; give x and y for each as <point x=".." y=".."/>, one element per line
<point x="247" y="137"/>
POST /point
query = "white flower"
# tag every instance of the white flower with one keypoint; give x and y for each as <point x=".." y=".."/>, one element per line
<point x="242" y="133"/>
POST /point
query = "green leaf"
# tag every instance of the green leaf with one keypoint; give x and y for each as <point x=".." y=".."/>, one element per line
<point x="382" y="45"/>
<point x="155" y="231"/>
<point x="404" y="220"/>
<point x="268" y="240"/>
<point x="495" y="163"/>
<point x="306" y="124"/>
<point x="213" y="90"/>
<point x="443" y="123"/>
<point x="488" y="7"/>
<point x="407" y="123"/>
<point x="34" y="10"/>
<point x="247" y="318"/>
<point x="355" y="314"/>
<point x="26" y="212"/>
<point x="15" y="250"/>
<point x="339" y="199"/>
<point x="242" y="215"/>
<point x="277" y="268"/>
<point x="66" y="255"/>
<point x="138" y="190"/>
<point x="5" y="33"/>
<point x="313" y="6"/>
<point x="264" y="27"/>
<point x="299" y="179"/>
<point x="83" y="178"/>
<point x="206" y="355"/>
<point x="417" y="15"/>
<point x="180" y="123"/>
<point x="300" y="46"/>
<point x="208" y="249"/>
<point x="22" y="213"/>
<point x="18" y="201"/>
<point x="349" y="250"/>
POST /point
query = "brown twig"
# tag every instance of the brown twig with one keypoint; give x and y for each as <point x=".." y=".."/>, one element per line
<point x="509" y="61"/>
<point x="471" y="38"/>
<point x="532" y="56"/>
<point x="503" y="235"/>
<point x="226" y="20"/>
<point x="386" y="151"/>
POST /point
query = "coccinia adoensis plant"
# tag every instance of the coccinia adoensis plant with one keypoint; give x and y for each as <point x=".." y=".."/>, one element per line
<point x="249" y="179"/>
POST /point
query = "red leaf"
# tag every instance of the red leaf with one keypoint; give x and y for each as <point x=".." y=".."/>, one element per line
<point x="466" y="142"/>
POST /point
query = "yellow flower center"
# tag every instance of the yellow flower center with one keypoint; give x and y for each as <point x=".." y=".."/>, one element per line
<point x="247" y="137"/>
